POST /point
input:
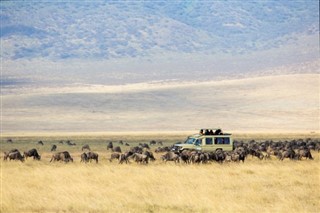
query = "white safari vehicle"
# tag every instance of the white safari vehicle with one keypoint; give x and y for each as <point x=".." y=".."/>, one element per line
<point x="207" y="140"/>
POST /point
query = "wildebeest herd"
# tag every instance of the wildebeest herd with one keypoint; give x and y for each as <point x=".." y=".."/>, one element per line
<point x="143" y="154"/>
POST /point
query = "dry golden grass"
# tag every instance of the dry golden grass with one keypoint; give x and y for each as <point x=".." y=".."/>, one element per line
<point x="255" y="186"/>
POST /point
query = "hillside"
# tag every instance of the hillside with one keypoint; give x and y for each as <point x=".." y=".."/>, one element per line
<point x="138" y="41"/>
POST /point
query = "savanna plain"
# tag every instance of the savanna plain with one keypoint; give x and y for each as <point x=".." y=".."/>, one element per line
<point x="253" y="186"/>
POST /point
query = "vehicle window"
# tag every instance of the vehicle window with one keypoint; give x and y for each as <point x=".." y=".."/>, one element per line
<point x="226" y="140"/>
<point x="218" y="141"/>
<point x="198" y="142"/>
<point x="209" y="141"/>
<point x="222" y="141"/>
<point x="190" y="140"/>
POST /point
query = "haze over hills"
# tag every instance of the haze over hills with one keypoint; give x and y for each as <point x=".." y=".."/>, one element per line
<point x="125" y="41"/>
<point x="132" y="65"/>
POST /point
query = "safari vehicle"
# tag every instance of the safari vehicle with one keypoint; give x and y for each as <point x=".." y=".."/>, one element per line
<point x="207" y="140"/>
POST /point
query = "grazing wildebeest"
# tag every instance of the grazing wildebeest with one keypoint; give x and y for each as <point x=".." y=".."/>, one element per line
<point x="116" y="149"/>
<point x="123" y="158"/>
<point x="194" y="157"/>
<point x="93" y="156"/>
<point x="114" y="156"/>
<point x="84" y="158"/>
<point x="32" y="153"/>
<point x="121" y="142"/>
<point x="70" y="143"/>
<point x="199" y="157"/>
<point x="150" y="155"/>
<point x="62" y="156"/>
<point x="219" y="156"/>
<point x="67" y="156"/>
<point x="235" y="157"/>
<point x="140" y="158"/>
<point x="6" y="154"/>
<point x="61" y="142"/>
<point x="241" y="152"/>
<point x="144" y="145"/>
<point x="257" y="153"/>
<point x="136" y="149"/>
<point x="153" y="142"/>
<point x="10" y="141"/>
<point x="204" y="157"/>
<point x="171" y="156"/>
<point x="15" y="156"/>
<point x="185" y="156"/>
<point x="110" y="145"/>
<point x="162" y="149"/>
<point x="290" y="153"/>
<point x="86" y="146"/>
<point x="53" y="148"/>
<point x="40" y="143"/>
<point x="127" y="144"/>
<point x="304" y="153"/>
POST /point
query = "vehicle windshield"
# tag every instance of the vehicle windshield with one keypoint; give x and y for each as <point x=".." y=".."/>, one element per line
<point x="190" y="141"/>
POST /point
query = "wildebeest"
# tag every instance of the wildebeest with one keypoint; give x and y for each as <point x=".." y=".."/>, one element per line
<point x="16" y="156"/>
<point x="194" y="157"/>
<point x="127" y="144"/>
<point x="6" y="154"/>
<point x="241" y="152"/>
<point x="32" y="153"/>
<point x="257" y="153"/>
<point x="150" y="155"/>
<point x="92" y="156"/>
<point x="110" y="145"/>
<point x="304" y="153"/>
<point x="62" y="156"/>
<point x="144" y="145"/>
<point x="84" y="158"/>
<point x="140" y="158"/>
<point x="124" y="157"/>
<point x="136" y="149"/>
<point x="116" y="149"/>
<point x="290" y="153"/>
<point x="9" y="140"/>
<point x="162" y="149"/>
<point x="171" y="156"/>
<point x="219" y="156"/>
<point x="86" y="146"/>
<point x="185" y="156"/>
<point x="53" y="148"/>
<point x="114" y="156"/>
<point x="198" y="157"/>
<point x="40" y="143"/>
<point x="160" y="143"/>
<point x="70" y="143"/>
<point x="121" y="142"/>
<point x="153" y="142"/>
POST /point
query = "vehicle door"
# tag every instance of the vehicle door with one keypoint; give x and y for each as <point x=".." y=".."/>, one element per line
<point x="198" y="144"/>
<point x="223" y="142"/>
<point x="207" y="144"/>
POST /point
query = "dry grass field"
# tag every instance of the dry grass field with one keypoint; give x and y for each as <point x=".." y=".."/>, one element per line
<point x="255" y="186"/>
